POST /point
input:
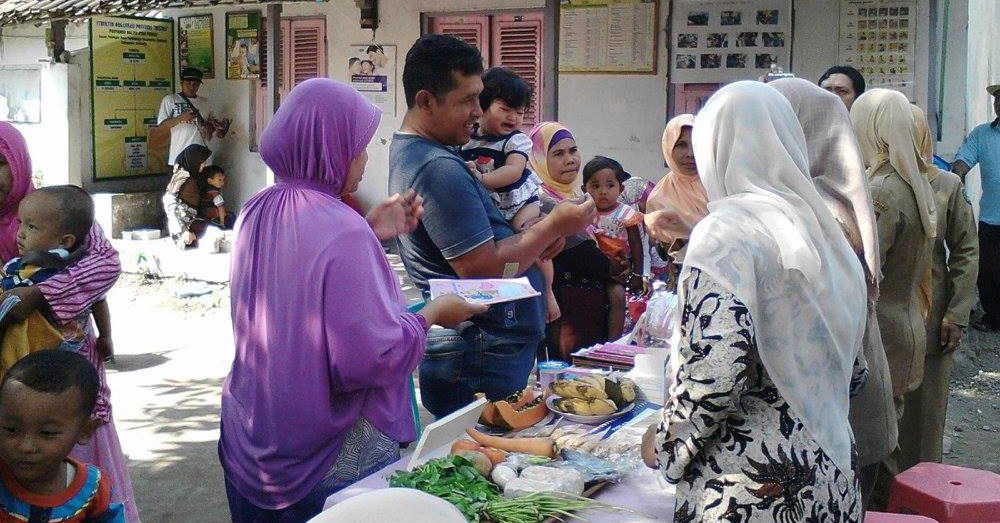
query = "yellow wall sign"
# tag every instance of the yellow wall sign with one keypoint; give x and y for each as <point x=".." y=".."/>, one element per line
<point x="132" y="69"/>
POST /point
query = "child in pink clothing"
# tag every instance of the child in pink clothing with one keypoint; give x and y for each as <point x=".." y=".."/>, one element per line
<point x="617" y="232"/>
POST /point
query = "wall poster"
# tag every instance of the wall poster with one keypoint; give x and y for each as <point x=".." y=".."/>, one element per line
<point x="371" y="69"/>
<point x="195" y="45"/>
<point x="132" y="69"/>
<point x="877" y="38"/>
<point x="726" y="41"/>
<point x="243" y="31"/>
<point x="20" y="93"/>
<point x="617" y="36"/>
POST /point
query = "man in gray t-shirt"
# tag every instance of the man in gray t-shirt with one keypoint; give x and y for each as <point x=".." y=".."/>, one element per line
<point x="463" y="235"/>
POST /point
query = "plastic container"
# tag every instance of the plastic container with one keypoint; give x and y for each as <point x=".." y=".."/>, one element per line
<point x="549" y="371"/>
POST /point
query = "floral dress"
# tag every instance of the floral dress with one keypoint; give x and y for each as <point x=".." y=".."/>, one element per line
<point x="729" y="441"/>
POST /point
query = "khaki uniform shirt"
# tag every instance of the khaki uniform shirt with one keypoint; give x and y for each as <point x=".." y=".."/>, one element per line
<point x="905" y="252"/>
<point x="955" y="258"/>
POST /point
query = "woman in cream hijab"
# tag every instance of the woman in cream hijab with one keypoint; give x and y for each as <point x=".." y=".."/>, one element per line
<point x="773" y="297"/>
<point x="838" y="172"/>
<point x="906" y="217"/>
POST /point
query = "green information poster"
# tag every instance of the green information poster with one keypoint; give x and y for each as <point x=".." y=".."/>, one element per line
<point x="243" y="31"/>
<point x="132" y="69"/>
<point x="194" y="44"/>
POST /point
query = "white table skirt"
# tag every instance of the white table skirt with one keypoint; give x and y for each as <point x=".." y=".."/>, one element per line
<point x="643" y="492"/>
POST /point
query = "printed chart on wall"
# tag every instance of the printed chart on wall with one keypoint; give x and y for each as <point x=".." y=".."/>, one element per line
<point x="372" y="70"/>
<point x="608" y="36"/>
<point x="132" y="69"/>
<point x="243" y="45"/>
<point x="728" y="41"/>
<point x="877" y="38"/>
<point x="195" y="47"/>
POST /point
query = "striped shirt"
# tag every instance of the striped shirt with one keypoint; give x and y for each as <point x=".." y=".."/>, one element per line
<point x="75" y="289"/>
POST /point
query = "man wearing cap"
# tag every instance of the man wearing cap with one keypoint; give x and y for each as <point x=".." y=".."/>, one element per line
<point x="982" y="147"/>
<point x="189" y="117"/>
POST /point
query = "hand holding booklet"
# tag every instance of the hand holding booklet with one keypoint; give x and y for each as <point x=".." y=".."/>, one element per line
<point x="486" y="292"/>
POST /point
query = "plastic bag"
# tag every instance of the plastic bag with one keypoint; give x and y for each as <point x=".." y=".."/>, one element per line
<point x="656" y="326"/>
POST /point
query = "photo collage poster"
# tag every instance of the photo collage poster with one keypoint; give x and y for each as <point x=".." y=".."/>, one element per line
<point x="727" y="41"/>
<point x="877" y="38"/>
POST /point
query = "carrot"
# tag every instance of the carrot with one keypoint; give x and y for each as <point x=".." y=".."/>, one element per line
<point x="534" y="446"/>
<point x="497" y="456"/>
<point x="465" y="444"/>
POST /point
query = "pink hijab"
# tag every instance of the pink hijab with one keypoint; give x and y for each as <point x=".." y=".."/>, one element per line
<point x="15" y="150"/>
<point x="683" y="192"/>
<point x="322" y="336"/>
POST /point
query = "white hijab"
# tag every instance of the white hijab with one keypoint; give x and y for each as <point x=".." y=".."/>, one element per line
<point x="770" y="239"/>
<point x="837" y="167"/>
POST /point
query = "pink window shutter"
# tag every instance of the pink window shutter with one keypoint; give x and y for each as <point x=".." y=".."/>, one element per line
<point x="517" y="45"/>
<point x="307" y="52"/>
<point x="474" y="29"/>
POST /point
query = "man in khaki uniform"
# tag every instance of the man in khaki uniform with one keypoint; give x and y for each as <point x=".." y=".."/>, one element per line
<point x="954" y="273"/>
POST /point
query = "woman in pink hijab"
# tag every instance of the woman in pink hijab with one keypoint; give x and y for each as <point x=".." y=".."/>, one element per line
<point x="67" y="295"/>
<point x="317" y="397"/>
<point x="678" y="194"/>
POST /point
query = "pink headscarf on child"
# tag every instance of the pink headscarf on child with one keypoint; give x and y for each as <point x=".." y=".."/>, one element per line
<point x="15" y="150"/>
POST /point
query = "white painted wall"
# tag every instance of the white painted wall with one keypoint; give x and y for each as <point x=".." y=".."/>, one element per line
<point x="621" y="116"/>
<point x="983" y="69"/>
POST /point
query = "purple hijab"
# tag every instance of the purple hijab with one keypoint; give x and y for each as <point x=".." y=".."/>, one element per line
<point x="322" y="336"/>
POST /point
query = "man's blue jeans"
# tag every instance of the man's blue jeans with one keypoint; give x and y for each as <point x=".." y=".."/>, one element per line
<point x="458" y="364"/>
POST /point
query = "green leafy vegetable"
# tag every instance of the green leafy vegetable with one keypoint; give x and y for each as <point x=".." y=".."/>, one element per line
<point x="538" y="506"/>
<point x="454" y="479"/>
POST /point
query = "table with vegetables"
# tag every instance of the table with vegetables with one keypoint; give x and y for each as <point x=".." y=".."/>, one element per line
<point x="570" y="450"/>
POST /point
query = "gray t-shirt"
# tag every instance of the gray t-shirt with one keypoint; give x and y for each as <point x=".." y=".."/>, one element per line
<point x="459" y="215"/>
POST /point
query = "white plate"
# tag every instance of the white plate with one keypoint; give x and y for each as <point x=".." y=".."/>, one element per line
<point x="588" y="420"/>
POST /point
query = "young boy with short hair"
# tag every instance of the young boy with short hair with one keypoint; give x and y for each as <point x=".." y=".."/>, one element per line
<point x="46" y="400"/>
<point x="498" y="156"/>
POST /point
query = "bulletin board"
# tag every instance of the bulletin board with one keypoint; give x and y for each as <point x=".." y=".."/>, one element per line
<point x="608" y="36"/>
<point x="131" y="70"/>
<point x="877" y="37"/>
<point x="726" y="41"/>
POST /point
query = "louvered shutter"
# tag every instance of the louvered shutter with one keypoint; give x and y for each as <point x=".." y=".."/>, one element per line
<point x="474" y="29"/>
<point x="517" y="45"/>
<point x="303" y="56"/>
<point x="307" y="52"/>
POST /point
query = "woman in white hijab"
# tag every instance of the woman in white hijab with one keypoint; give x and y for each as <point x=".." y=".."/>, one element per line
<point x="755" y="427"/>
<point x="838" y="171"/>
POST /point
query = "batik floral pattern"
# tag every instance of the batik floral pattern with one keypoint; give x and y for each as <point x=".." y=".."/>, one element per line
<point x="729" y="440"/>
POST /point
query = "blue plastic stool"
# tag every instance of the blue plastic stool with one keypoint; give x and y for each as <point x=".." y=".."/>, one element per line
<point x="413" y="388"/>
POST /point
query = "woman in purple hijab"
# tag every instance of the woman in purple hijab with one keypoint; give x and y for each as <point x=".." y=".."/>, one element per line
<point x="317" y="397"/>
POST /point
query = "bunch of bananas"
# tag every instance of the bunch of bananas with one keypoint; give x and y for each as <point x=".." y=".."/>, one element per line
<point x="593" y="395"/>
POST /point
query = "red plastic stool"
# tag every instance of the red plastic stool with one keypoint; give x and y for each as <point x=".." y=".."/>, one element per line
<point x="885" y="517"/>
<point x="947" y="493"/>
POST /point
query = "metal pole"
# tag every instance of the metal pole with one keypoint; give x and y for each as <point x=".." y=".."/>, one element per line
<point x="273" y="57"/>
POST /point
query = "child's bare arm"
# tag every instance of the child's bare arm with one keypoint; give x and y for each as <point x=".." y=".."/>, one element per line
<point x="222" y="214"/>
<point x="635" y="245"/>
<point x="31" y="301"/>
<point x="102" y="318"/>
<point x="511" y="172"/>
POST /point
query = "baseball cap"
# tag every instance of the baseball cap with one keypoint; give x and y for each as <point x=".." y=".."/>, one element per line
<point x="993" y="89"/>
<point x="191" y="73"/>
